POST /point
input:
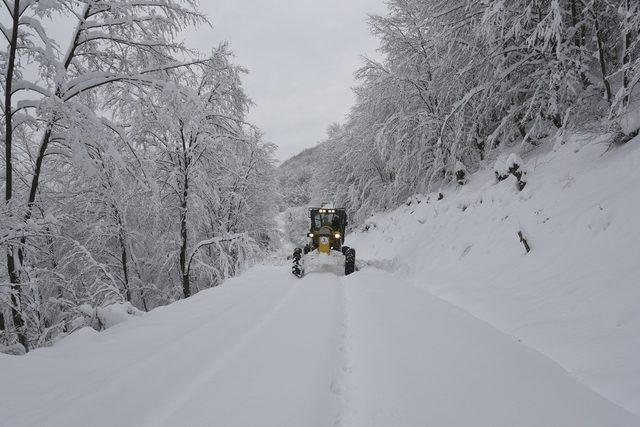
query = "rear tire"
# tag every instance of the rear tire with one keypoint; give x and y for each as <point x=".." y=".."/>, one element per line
<point x="297" y="269"/>
<point x="349" y="261"/>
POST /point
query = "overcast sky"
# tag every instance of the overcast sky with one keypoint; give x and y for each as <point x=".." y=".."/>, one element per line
<point x="301" y="55"/>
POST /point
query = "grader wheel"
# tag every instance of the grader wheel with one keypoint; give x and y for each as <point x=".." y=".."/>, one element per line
<point x="349" y="261"/>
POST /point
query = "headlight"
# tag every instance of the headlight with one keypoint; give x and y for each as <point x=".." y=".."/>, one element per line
<point x="310" y="234"/>
<point x="337" y="235"/>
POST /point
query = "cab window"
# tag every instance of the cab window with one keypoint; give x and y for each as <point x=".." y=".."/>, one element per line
<point x="326" y="220"/>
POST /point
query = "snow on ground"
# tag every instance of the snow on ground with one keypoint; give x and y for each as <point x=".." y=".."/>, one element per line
<point x="575" y="297"/>
<point x="272" y="350"/>
<point x="418" y="360"/>
<point x="382" y="347"/>
<point x="260" y="350"/>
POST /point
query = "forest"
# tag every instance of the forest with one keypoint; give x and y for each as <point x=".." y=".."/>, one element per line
<point x="461" y="81"/>
<point x="130" y="173"/>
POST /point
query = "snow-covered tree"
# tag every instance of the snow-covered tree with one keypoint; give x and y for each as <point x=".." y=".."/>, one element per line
<point x="89" y="219"/>
<point x="460" y="79"/>
<point x="212" y="170"/>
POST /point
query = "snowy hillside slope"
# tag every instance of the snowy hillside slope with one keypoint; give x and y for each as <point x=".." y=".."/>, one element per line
<point x="575" y="297"/>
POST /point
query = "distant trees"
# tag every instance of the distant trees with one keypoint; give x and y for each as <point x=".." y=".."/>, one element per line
<point x="296" y="178"/>
<point x="118" y="149"/>
<point x="462" y="78"/>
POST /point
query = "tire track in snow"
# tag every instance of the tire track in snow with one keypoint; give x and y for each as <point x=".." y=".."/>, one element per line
<point x="189" y="390"/>
<point x="109" y="385"/>
<point x="340" y="384"/>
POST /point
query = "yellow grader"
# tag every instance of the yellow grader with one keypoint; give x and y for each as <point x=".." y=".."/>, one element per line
<point x="326" y="241"/>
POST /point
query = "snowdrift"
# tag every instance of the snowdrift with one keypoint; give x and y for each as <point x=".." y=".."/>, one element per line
<point x="576" y="296"/>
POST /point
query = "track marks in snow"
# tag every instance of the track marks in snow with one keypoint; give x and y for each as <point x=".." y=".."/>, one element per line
<point x="190" y="389"/>
<point x="285" y="372"/>
<point x="268" y="349"/>
<point x="163" y="352"/>
<point x="341" y="378"/>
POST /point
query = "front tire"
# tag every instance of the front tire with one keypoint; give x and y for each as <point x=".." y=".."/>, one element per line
<point x="297" y="269"/>
<point x="349" y="261"/>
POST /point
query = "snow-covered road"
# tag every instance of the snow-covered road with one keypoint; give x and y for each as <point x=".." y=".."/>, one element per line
<point x="271" y="350"/>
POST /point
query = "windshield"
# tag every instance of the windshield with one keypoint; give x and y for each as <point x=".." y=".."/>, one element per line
<point x="326" y="220"/>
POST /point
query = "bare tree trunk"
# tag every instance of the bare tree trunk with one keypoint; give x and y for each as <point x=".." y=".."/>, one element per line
<point x="15" y="255"/>
<point x="578" y="38"/>
<point x="46" y="138"/>
<point x="136" y="270"/>
<point x="186" y="289"/>
<point x="184" y="237"/>
<point x="13" y="264"/>
<point x="143" y="297"/>
<point x="2" y="327"/>
<point x="603" y="65"/>
<point x="123" y="253"/>
<point x="574" y="22"/>
<point x="626" y="57"/>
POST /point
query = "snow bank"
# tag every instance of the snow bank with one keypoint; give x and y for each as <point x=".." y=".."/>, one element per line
<point x="77" y="340"/>
<point x="630" y="121"/>
<point x="500" y="167"/>
<point x="575" y="296"/>
<point x="100" y="318"/>
<point x="15" y="349"/>
<point x="113" y="314"/>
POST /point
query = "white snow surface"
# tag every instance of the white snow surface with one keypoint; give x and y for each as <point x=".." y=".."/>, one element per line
<point x="272" y="350"/>
<point x="401" y="341"/>
<point x="114" y="314"/>
<point x="576" y="296"/>
<point x="630" y="121"/>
